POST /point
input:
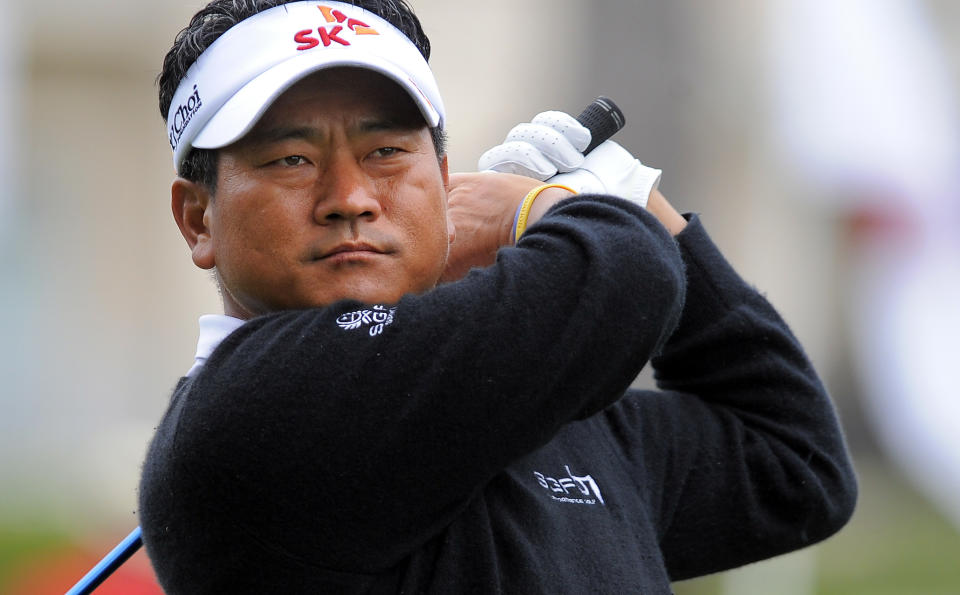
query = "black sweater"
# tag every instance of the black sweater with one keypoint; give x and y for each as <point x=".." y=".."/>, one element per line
<point x="481" y="437"/>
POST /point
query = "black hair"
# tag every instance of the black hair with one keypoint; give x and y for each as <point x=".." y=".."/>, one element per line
<point x="215" y="18"/>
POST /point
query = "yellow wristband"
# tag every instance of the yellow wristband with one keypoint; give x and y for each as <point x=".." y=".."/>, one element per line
<point x="523" y="212"/>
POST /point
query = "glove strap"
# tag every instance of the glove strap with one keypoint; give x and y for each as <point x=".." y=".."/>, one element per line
<point x="523" y="211"/>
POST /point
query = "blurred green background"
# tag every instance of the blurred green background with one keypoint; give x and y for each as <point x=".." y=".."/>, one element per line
<point x="896" y="544"/>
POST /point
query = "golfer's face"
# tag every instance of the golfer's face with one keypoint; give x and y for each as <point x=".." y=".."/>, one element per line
<point x="336" y="193"/>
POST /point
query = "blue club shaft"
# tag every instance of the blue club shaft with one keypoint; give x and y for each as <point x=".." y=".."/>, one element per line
<point x="110" y="562"/>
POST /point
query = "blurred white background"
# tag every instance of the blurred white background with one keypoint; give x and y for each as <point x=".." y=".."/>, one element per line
<point x="819" y="141"/>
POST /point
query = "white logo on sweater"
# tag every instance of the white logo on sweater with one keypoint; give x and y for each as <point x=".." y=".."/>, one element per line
<point x="560" y="487"/>
<point x="376" y="318"/>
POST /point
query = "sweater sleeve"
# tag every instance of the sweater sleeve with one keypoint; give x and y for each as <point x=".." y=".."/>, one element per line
<point x="742" y="449"/>
<point x="344" y="437"/>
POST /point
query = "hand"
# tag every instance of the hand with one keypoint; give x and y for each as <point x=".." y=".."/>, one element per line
<point x="553" y="142"/>
<point x="549" y="149"/>
<point x="482" y="207"/>
<point x="611" y="169"/>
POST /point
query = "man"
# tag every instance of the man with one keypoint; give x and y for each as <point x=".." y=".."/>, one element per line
<point x="351" y="425"/>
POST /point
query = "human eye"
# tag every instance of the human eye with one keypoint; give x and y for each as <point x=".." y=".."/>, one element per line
<point x="383" y="152"/>
<point x="285" y="162"/>
<point x="291" y="161"/>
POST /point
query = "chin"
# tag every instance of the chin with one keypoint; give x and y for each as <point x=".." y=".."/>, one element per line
<point x="380" y="294"/>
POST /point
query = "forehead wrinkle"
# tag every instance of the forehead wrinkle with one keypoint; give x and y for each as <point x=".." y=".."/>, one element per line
<point x="387" y="123"/>
<point x="310" y="109"/>
<point x="272" y="134"/>
<point x="363" y="125"/>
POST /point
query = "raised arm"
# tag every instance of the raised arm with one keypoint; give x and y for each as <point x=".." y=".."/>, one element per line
<point x="744" y="443"/>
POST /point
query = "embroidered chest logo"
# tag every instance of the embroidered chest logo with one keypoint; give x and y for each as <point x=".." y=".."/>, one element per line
<point x="571" y="488"/>
<point x="311" y="38"/>
<point x="375" y="319"/>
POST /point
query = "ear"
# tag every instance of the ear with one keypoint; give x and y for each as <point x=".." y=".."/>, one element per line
<point x="445" y="173"/>
<point x="191" y="204"/>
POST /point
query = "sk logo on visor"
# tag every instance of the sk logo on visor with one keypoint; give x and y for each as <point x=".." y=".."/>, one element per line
<point x="326" y="36"/>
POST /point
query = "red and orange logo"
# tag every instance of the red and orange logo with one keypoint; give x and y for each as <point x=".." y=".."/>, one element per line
<point x="337" y="21"/>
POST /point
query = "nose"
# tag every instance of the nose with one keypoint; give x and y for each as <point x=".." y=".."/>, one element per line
<point x="345" y="193"/>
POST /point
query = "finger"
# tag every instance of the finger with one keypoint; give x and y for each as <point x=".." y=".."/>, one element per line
<point x="551" y="143"/>
<point x="517" y="157"/>
<point x="576" y="133"/>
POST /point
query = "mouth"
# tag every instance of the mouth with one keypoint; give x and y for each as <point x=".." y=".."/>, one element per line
<point x="350" y="250"/>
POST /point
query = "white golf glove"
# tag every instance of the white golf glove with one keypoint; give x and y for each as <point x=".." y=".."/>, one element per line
<point x="553" y="142"/>
<point x="549" y="148"/>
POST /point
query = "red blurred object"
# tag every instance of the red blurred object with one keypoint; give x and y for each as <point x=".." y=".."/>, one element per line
<point x="58" y="570"/>
<point x="883" y="221"/>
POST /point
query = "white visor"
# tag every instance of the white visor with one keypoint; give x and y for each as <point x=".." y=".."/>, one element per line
<point x="242" y="73"/>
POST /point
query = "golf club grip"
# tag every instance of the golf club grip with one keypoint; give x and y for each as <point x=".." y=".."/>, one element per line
<point x="603" y="119"/>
